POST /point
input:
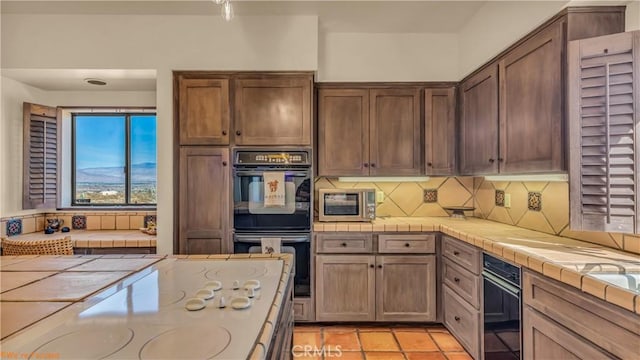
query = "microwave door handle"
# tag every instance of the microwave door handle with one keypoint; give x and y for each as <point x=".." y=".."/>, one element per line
<point x="261" y="173"/>
<point x="285" y="241"/>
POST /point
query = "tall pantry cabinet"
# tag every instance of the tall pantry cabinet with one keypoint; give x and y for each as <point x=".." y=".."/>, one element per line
<point x="214" y="111"/>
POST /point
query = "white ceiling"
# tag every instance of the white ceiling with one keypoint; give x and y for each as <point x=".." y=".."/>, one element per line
<point x="73" y="79"/>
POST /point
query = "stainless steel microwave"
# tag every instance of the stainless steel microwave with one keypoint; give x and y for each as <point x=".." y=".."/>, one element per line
<point x="347" y="204"/>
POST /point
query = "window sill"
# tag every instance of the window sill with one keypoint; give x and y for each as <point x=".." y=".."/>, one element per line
<point x="108" y="208"/>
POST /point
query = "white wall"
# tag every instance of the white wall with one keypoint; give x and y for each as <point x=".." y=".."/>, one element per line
<point x="163" y="43"/>
<point x="388" y="57"/>
<point x="632" y="20"/>
<point x="497" y="25"/>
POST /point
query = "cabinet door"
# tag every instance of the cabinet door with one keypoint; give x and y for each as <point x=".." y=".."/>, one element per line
<point x="406" y="288"/>
<point x="479" y="123"/>
<point x="343" y="132"/>
<point x="204" y="111"/>
<point x="604" y="93"/>
<point x="395" y="142"/>
<point x="544" y="339"/>
<point x="531" y="97"/>
<point x="345" y="288"/>
<point x="273" y="111"/>
<point x="440" y="131"/>
<point x="204" y="214"/>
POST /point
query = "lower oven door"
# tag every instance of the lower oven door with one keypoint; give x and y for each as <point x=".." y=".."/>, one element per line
<point x="501" y="318"/>
<point x="297" y="244"/>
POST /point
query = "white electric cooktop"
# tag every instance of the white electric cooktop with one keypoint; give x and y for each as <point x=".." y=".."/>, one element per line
<point x="147" y="319"/>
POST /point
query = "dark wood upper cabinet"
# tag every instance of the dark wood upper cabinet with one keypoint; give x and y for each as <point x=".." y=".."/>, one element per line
<point x="273" y="110"/>
<point x="440" y="131"/>
<point x="343" y="132"/>
<point x="369" y="131"/>
<point x="529" y="82"/>
<point x="604" y="95"/>
<point x="203" y="214"/>
<point x="479" y="123"/>
<point x="395" y="132"/>
<point x="531" y="96"/>
<point x="204" y="111"/>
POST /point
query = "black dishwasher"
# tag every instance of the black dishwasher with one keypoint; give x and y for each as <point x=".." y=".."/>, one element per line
<point x="502" y="309"/>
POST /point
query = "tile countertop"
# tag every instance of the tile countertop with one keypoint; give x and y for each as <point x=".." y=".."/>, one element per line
<point x="98" y="238"/>
<point x="606" y="273"/>
<point x="29" y="322"/>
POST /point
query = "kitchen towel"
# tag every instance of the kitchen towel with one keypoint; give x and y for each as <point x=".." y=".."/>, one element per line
<point x="274" y="189"/>
<point x="271" y="245"/>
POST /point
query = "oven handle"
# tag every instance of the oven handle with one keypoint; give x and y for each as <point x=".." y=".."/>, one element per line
<point x="285" y="240"/>
<point x="261" y="173"/>
<point x="501" y="284"/>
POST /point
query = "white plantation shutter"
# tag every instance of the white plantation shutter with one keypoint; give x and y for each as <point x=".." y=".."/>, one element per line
<point x="604" y="115"/>
<point x="41" y="156"/>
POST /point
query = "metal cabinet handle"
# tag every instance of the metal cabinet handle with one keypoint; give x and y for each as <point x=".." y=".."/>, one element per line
<point x="407" y="245"/>
<point x="456" y="318"/>
<point x="429" y="164"/>
<point x="371" y="266"/>
<point x="366" y="165"/>
<point x="224" y="163"/>
<point x="238" y="132"/>
<point x="492" y="160"/>
<point x="379" y="266"/>
<point x="456" y="253"/>
<point x="373" y="165"/>
<point x="224" y="132"/>
<point x="456" y="279"/>
<point x="500" y="159"/>
<point x="343" y="244"/>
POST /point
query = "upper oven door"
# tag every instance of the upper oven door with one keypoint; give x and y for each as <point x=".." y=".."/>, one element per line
<point x="249" y="212"/>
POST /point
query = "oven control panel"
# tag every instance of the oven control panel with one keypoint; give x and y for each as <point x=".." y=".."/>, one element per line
<point x="247" y="157"/>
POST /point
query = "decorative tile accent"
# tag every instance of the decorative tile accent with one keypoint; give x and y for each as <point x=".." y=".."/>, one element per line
<point x="150" y="218"/>
<point x="535" y="201"/>
<point x="499" y="197"/>
<point x="79" y="222"/>
<point x="14" y="227"/>
<point x="431" y="195"/>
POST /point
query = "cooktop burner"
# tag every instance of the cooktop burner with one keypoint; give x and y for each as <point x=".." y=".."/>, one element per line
<point x="97" y="343"/>
<point x="186" y="342"/>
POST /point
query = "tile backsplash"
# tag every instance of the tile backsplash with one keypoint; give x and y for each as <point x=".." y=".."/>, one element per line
<point x="125" y="220"/>
<point x="540" y="206"/>
<point x="412" y="198"/>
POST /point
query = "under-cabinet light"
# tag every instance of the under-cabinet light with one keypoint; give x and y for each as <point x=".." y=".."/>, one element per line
<point x="532" y="177"/>
<point x="384" y="179"/>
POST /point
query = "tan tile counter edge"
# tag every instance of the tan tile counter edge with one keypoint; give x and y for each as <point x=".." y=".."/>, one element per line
<point x="98" y="238"/>
<point x="520" y="255"/>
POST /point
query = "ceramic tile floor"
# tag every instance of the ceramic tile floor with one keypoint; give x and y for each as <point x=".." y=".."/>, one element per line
<point x="376" y="343"/>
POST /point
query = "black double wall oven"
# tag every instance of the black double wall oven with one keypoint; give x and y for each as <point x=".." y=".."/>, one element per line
<point x="291" y="222"/>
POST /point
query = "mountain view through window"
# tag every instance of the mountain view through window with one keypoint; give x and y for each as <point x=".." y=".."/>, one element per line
<point x="114" y="159"/>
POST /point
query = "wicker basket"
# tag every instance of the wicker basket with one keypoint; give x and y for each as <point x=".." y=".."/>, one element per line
<point x="57" y="246"/>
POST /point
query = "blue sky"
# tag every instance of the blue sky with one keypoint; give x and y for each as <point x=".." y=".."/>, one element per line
<point x="100" y="140"/>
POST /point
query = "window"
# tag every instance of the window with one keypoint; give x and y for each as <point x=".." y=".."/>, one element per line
<point x="113" y="159"/>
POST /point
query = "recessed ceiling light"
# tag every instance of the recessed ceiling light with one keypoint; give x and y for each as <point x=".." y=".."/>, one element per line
<point x="95" y="81"/>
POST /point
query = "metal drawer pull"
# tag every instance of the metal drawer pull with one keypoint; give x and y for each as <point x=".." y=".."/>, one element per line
<point x="456" y="253"/>
<point x="407" y="245"/>
<point x="343" y="244"/>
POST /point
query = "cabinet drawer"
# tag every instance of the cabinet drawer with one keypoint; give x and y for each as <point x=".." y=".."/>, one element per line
<point x="414" y="244"/>
<point x="465" y="255"/>
<point x="462" y="282"/>
<point x="344" y="243"/>
<point x="463" y="321"/>
<point x="610" y="327"/>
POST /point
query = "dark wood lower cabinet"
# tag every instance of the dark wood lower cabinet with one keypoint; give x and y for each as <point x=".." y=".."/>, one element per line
<point x="204" y="201"/>
<point x="545" y="339"/>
